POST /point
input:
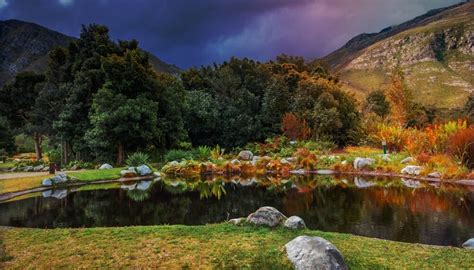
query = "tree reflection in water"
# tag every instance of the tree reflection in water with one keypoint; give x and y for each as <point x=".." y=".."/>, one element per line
<point x="384" y="208"/>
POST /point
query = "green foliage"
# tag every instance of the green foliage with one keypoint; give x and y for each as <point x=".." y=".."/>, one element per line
<point x="217" y="152"/>
<point x="54" y="155"/>
<point x="202" y="153"/>
<point x="177" y="155"/>
<point x="7" y="141"/>
<point x="137" y="159"/>
<point x="377" y="103"/>
<point x="80" y="164"/>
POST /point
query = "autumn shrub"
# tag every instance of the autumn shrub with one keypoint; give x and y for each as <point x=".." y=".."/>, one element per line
<point x="423" y="158"/>
<point x="461" y="146"/>
<point x="295" y="128"/>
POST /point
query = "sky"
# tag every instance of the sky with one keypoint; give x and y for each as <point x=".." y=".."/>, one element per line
<point x="201" y="32"/>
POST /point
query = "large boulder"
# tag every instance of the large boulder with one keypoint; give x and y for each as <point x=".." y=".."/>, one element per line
<point x="57" y="179"/>
<point x="245" y="155"/>
<point x="294" y="223"/>
<point x="412" y="170"/>
<point x="143" y="170"/>
<point x="311" y="252"/>
<point x="105" y="166"/>
<point x="47" y="182"/>
<point x="469" y="244"/>
<point x="362" y="163"/>
<point x="266" y="216"/>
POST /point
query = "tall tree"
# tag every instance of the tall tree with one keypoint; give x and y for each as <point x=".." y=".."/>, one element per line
<point x="377" y="103"/>
<point x="399" y="97"/>
<point x="18" y="101"/>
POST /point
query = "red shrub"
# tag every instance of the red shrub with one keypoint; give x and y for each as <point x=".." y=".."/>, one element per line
<point x="461" y="145"/>
<point x="295" y="128"/>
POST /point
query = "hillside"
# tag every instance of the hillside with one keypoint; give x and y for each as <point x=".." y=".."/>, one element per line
<point x="435" y="50"/>
<point x="24" y="47"/>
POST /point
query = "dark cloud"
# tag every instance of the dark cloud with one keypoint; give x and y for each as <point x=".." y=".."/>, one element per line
<point x="197" y="32"/>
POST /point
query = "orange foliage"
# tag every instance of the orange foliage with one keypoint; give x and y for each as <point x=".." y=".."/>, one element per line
<point x="461" y="145"/>
<point x="295" y="128"/>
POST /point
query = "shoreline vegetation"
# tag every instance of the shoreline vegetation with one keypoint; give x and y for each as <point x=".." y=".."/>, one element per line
<point x="222" y="246"/>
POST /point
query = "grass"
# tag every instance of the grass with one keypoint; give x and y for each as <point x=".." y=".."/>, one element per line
<point x="205" y="247"/>
<point x="21" y="183"/>
<point x="7" y="165"/>
<point x="92" y="175"/>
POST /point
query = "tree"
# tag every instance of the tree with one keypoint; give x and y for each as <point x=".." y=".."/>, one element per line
<point x="18" y="101"/>
<point x="330" y="112"/>
<point x="377" y="103"/>
<point x="399" y="97"/>
<point x="7" y="142"/>
<point x="469" y="108"/>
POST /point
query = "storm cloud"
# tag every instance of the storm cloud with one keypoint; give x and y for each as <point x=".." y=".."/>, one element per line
<point x="194" y="33"/>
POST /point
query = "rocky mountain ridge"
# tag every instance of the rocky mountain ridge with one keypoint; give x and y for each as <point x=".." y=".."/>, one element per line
<point x="24" y="47"/>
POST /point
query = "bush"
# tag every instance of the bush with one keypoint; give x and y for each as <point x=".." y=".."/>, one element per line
<point x="461" y="145"/>
<point x="80" y="164"/>
<point x="177" y="155"/>
<point x="202" y="153"/>
<point x="54" y="156"/>
<point x="137" y="159"/>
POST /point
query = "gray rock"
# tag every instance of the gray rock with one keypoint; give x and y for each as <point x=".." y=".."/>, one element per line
<point x="294" y="223"/>
<point x="245" y="155"/>
<point x="46" y="168"/>
<point x="59" y="178"/>
<point x="407" y="160"/>
<point x="266" y="216"/>
<point x="128" y="173"/>
<point x="434" y="175"/>
<point x="411" y="183"/>
<point x="300" y="171"/>
<point x="412" y="170"/>
<point x="38" y="168"/>
<point x="128" y="187"/>
<point x="469" y="244"/>
<point x="143" y="185"/>
<point x="362" y="183"/>
<point x="47" y="193"/>
<point x="237" y="221"/>
<point x="28" y="169"/>
<point x="143" y="170"/>
<point x="361" y="163"/>
<point x="325" y="172"/>
<point x="105" y="166"/>
<point x="47" y="182"/>
<point x="59" y="194"/>
<point x="311" y="252"/>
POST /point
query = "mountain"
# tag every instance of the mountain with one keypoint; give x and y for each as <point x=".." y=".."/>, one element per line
<point x="24" y="47"/>
<point x="435" y="51"/>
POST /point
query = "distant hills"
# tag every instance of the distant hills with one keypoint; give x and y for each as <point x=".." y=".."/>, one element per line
<point x="435" y="50"/>
<point x="24" y="47"/>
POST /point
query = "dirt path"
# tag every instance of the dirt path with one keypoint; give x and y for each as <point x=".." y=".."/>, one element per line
<point x="4" y="176"/>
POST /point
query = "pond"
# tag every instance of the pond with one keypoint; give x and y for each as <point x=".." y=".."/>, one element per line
<point x="395" y="209"/>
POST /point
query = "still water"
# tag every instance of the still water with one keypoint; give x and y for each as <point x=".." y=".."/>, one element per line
<point x="395" y="209"/>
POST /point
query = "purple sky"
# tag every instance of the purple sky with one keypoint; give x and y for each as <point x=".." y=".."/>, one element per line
<point x="199" y="32"/>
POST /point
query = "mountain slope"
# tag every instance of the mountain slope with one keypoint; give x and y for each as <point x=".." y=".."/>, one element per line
<point x="24" y="47"/>
<point x="435" y="51"/>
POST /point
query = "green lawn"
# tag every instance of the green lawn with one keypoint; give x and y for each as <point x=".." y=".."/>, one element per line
<point x="92" y="175"/>
<point x="204" y="247"/>
<point x="7" y="165"/>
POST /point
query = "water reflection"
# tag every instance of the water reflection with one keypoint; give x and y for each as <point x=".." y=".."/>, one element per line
<point x="397" y="209"/>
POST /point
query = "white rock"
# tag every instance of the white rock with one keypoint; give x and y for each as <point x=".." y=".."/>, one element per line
<point x="266" y="216"/>
<point x="294" y="223"/>
<point x="412" y="170"/>
<point x="106" y="166"/>
<point x="469" y="244"/>
<point x="407" y="160"/>
<point x="311" y="252"/>
<point x="361" y="163"/>
<point x="434" y="175"/>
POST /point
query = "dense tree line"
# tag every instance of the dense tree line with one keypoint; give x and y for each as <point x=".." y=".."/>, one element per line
<point x="101" y="99"/>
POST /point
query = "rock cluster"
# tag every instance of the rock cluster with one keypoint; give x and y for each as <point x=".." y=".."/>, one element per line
<point x="59" y="178"/>
<point x="142" y="170"/>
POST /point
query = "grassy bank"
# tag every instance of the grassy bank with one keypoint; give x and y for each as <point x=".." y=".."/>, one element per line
<point x="210" y="246"/>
